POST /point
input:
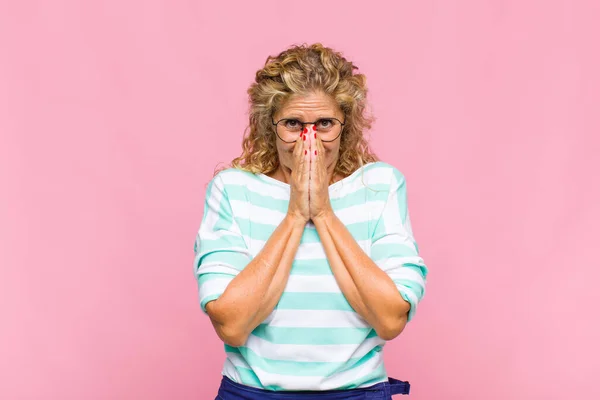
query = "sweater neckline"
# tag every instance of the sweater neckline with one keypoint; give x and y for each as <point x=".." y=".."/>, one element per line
<point x="332" y="186"/>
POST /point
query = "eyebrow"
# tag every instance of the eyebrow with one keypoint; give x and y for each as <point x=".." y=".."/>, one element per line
<point x="300" y="119"/>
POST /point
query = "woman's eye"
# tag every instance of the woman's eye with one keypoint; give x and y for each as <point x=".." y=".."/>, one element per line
<point x="291" y="123"/>
<point x="325" y="123"/>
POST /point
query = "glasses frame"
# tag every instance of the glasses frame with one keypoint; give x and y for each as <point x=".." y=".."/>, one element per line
<point x="308" y="123"/>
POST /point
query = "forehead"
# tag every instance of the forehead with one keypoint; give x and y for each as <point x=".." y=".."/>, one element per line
<point x="311" y="105"/>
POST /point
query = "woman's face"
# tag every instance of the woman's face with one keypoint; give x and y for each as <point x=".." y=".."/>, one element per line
<point x="309" y="108"/>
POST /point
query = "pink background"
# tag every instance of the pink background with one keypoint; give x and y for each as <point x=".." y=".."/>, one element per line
<point x="113" y="115"/>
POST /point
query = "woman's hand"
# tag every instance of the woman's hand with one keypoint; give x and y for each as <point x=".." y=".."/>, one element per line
<point x="320" y="204"/>
<point x="298" y="207"/>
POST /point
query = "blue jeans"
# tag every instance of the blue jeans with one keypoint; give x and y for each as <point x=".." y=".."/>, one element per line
<point x="231" y="390"/>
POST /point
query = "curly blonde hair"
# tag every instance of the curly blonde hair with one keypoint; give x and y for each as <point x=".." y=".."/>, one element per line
<point x="302" y="69"/>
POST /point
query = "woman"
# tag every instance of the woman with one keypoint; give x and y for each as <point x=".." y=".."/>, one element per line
<point x="305" y="258"/>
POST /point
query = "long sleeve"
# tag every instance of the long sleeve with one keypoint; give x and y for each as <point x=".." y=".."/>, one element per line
<point x="220" y="250"/>
<point x="394" y="249"/>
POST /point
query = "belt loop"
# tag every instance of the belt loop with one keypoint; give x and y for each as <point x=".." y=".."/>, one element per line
<point x="399" y="387"/>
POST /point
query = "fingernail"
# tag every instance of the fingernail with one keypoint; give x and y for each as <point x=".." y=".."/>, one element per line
<point x="315" y="152"/>
<point x="314" y="128"/>
<point x="305" y="130"/>
<point x="315" y="135"/>
<point x="304" y="137"/>
<point x="304" y="152"/>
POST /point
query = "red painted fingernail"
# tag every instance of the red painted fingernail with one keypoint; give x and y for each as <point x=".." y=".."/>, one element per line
<point x="304" y="137"/>
<point x="305" y="129"/>
<point x="314" y="128"/>
<point x="315" y="152"/>
<point x="304" y="152"/>
<point x="315" y="135"/>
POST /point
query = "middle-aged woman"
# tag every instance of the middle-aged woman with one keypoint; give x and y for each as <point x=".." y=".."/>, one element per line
<point x="305" y="258"/>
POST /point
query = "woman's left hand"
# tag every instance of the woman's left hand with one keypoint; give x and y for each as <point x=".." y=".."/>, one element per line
<point x="318" y="197"/>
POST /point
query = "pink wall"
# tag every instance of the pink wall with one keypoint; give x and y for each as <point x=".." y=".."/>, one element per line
<point x="114" y="113"/>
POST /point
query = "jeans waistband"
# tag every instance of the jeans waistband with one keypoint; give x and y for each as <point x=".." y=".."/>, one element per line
<point x="231" y="390"/>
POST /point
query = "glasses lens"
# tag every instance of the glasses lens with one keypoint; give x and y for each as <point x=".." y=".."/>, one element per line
<point x="289" y="129"/>
<point x="328" y="128"/>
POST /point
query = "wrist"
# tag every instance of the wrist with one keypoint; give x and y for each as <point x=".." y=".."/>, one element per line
<point x="296" y="220"/>
<point x="323" y="216"/>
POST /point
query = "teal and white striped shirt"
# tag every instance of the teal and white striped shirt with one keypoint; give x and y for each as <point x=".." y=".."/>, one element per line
<point x="313" y="339"/>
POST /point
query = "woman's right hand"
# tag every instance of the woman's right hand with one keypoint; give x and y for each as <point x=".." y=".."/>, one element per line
<point x="298" y="207"/>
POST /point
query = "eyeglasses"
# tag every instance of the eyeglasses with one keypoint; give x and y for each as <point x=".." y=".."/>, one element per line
<point x="288" y="129"/>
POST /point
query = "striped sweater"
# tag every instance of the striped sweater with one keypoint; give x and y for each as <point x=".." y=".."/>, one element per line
<point x="313" y="339"/>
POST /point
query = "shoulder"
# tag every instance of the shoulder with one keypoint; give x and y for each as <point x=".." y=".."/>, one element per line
<point x="224" y="184"/>
<point x="230" y="177"/>
<point x="380" y="172"/>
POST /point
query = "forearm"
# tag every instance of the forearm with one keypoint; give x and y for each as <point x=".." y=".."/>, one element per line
<point x="252" y="295"/>
<point x="280" y="278"/>
<point x="369" y="290"/>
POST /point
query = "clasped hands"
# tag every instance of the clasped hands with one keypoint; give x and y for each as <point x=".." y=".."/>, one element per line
<point x="309" y="197"/>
